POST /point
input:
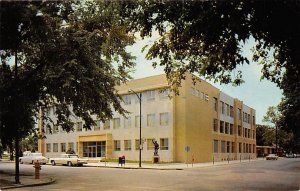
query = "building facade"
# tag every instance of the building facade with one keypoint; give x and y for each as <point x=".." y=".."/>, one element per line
<point x="200" y="124"/>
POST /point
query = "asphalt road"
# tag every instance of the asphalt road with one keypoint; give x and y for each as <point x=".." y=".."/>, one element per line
<point x="283" y="174"/>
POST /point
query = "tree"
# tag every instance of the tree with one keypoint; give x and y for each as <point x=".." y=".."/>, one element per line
<point x="69" y="55"/>
<point x="206" y="38"/>
<point x="265" y="135"/>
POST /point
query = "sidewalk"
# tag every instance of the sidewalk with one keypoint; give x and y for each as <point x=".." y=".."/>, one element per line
<point x="7" y="179"/>
<point x="166" y="166"/>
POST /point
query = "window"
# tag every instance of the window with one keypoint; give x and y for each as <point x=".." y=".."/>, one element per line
<point x="239" y="130"/>
<point x="240" y="147"/>
<point x="137" y="144"/>
<point x="253" y="122"/>
<point x="127" y="122"/>
<point x="48" y="129"/>
<point x="137" y="121"/>
<point x="79" y="126"/>
<point x="233" y="147"/>
<point x="193" y="91"/>
<point x="228" y="147"/>
<point x="55" y="147"/>
<point x="227" y="110"/>
<point x="97" y="127"/>
<point x="248" y="119"/>
<point x="215" y="125"/>
<point x="62" y="147"/>
<point x="215" y="104"/>
<point x="226" y="128"/>
<point x="202" y="95"/>
<point x="231" y="111"/>
<point x="164" y="119"/>
<point x="239" y="113"/>
<point x="221" y="126"/>
<point x="150" y="120"/>
<point x="231" y="129"/>
<point x="222" y="146"/>
<point x="116" y="123"/>
<point x="71" y="146"/>
<point x="216" y="145"/>
<point x="150" y="145"/>
<point x="206" y="97"/>
<point x="117" y="145"/>
<point x="197" y="93"/>
<point x="127" y="145"/>
<point x="127" y="99"/>
<point x="150" y="95"/>
<point x="164" y="144"/>
<point x="253" y="134"/>
<point x="164" y="93"/>
<point x="106" y="125"/>
<point x="55" y="129"/>
<point x="222" y="107"/>
<point x="48" y="147"/>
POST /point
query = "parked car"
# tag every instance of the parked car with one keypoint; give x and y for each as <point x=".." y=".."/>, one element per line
<point x="272" y="157"/>
<point x="68" y="159"/>
<point x="31" y="158"/>
<point x="291" y="155"/>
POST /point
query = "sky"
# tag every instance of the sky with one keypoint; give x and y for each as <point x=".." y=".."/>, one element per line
<point x="254" y="92"/>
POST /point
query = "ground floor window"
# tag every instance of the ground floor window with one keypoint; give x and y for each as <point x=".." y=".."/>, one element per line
<point x="222" y="146"/>
<point x="48" y="147"/>
<point x="164" y="144"/>
<point x="127" y="145"/>
<point x="55" y="147"/>
<point x="63" y="147"/>
<point x="216" y="145"/>
<point x="117" y="145"/>
<point x="94" y="149"/>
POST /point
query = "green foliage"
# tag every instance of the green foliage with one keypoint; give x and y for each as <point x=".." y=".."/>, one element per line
<point x="206" y="38"/>
<point x="71" y="55"/>
<point x="265" y="135"/>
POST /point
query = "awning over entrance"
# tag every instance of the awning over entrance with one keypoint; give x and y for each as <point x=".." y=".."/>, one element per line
<point x="107" y="138"/>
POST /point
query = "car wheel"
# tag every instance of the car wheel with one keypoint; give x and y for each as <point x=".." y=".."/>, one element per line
<point x="53" y="163"/>
<point x="69" y="163"/>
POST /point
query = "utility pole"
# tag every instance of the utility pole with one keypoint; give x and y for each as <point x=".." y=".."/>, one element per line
<point x="17" y="174"/>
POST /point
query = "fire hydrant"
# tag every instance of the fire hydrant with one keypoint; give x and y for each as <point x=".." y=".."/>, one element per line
<point x="37" y="168"/>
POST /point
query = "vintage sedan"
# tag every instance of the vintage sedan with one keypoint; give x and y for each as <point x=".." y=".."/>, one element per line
<point x="68" y="159"/>
<point x="272" y="157"/>
<point x="32" y="158"/>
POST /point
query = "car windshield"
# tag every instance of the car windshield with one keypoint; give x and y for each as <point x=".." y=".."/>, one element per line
<point x="73" y="156"/>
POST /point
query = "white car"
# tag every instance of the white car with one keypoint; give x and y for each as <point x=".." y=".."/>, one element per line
<point x="68" y="159"/>
<point x="272" y="157"/>
<point x="32" y="158"/>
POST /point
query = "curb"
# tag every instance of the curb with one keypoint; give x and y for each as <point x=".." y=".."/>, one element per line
<point x="135" y="168"/>
<point x="49" y="181"/>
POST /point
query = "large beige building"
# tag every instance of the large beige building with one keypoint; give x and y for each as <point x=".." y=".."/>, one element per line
<point x="202" y="120"/>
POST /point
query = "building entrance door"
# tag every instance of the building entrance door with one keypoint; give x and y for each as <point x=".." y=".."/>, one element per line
<point x="94" y="149"/>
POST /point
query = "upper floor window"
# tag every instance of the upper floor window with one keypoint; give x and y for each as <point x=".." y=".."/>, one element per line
<point x="55" y="129"/>
<point x="151" y="120"/>
<point x="215" y="125"/>
<point x="150" y="95"/>
<point x="79" y="126"/>
<point x="127" y="99"/>
<point x="222" y="107"/>
<point x="253" y="121"/>
<point x="164" y="119"/>
<point x="127" y="122"/>
<point x="215" y="104"/>
<point x="116" y="123"/>
<point x="239" y="114"/>
<point x="97" y="126"/>
<point x="164" y="93"/>
<point x="231" y="111"/>
<point x="106" y="125"/>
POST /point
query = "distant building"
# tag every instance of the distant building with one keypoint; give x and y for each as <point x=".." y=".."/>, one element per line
<point x="213" y="125"/>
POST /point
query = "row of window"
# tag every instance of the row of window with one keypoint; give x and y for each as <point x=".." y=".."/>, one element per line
<point x="228" y="128"/>
<point x="147" y="95"/>
<point x="226" y="109"/>
<point x="199" y="94"/>
<point x="230" y="147"/>
<point x="127" y="144"/>
<point x="55" y="147"/>
<point x="164" y="120"/>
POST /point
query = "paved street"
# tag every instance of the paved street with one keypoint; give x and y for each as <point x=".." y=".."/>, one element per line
<point x="283" y="174"/>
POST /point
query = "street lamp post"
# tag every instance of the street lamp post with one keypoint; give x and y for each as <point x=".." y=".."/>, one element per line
<point x="140" y="147"/>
